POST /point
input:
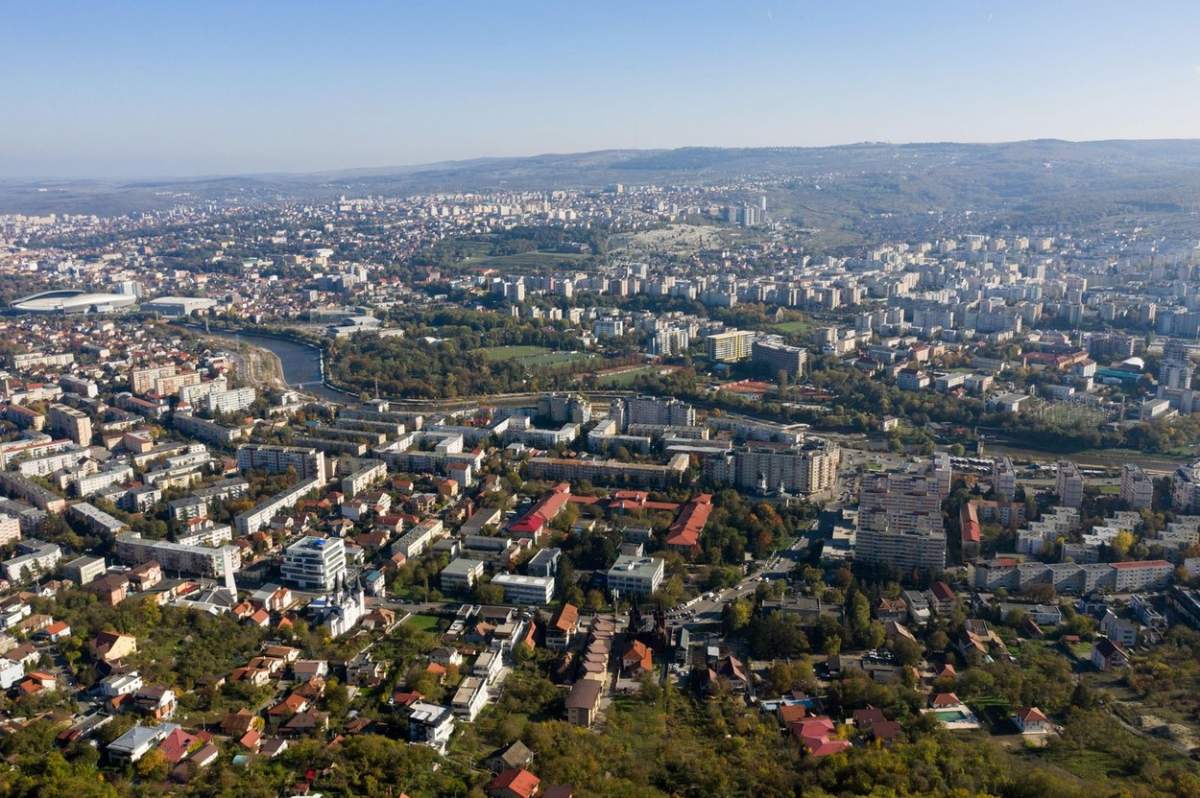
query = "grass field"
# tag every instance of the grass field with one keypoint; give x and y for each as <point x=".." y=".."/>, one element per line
<point x="527" y="260"/>
<point x="497" y="354"/>
<point x="797" y="327"/>
<point x="624" y="379"/>
<point x="426" y="623"/>
<point x="531" y="356"/>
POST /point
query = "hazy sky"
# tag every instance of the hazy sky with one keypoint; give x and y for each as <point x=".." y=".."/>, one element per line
<point x="169" y="87"/>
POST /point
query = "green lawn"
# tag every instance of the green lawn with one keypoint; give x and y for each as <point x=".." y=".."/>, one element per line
<point x="797" y="327"/>
<point x="528" y="260"/>
<point x="499" y="353"/>
<point x="426" y="623"/>
<point x="625" y="379"/>
<point x="554" y="359"/>
<point x="531" y="356"/>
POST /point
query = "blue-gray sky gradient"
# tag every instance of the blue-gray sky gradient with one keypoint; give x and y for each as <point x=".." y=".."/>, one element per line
<point x="187" y="88"/>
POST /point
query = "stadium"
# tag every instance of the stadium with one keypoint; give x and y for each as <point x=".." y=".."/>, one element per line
<point x="73" y="301"/>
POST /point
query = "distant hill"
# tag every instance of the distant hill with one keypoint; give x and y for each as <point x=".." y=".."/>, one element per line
<point x="1050" y="180"/>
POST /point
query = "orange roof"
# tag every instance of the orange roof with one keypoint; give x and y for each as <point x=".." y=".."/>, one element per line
<point x="518" y="781"/>
<point x="685" y="532"/>
<point x="544" y="511"/>
<point x="566" y="618"/>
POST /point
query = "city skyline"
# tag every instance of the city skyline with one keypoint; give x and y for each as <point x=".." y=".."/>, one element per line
<point x="220" y="90"/>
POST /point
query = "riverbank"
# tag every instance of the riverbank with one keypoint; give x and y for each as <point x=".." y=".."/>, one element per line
<point x="296" y="365"/>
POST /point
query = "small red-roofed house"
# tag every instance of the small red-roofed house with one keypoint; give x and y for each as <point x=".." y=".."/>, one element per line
<point x="175" y="745"/>
<point x="57" y="630"/>
<point x="514" y="783"/>
<point x="792" y="713"/>
<point x="637" y="659"/>
<point x="1031" y="720"/>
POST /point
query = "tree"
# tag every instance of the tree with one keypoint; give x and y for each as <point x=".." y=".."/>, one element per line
<point x="1122" y="543"/>
<point x="736" y="616"/>
<point x="152" y="767"/>
<point x="489" y="593"/>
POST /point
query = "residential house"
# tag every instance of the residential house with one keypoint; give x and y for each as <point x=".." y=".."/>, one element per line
<point x="513" y="783"/>
<point x="1030" y="720"/>
<point x="583" y="701"/>
<point x="1107" y="655"/>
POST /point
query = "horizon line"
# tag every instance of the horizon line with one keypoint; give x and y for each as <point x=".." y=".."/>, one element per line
<point x="415" y="167"/>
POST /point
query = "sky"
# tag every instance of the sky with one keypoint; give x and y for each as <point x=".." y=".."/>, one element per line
<point x="206" y="87"/>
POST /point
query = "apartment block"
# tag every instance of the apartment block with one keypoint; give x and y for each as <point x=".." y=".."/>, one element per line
<point x="637" y="576"/>
<point x="1068" y="484"/>
<point x="251" y="521"/>
<point x="313" y="563"/>
<point x="70" y="423"/>
<point x="133" y="549"/>
<point x="519" y="589"/>
<point x="900" y="521"/>
<point x="609" y="472"/>
<point x="307" y="462"/>
<point x="774" y="355"/>
<point x="804" y="469"/>
<point x="1137" y="488"/>
<point x="730" y="346"/>
<point x="1004" y="479"/>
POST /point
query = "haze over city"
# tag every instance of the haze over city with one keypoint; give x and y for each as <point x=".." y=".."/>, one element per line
<point x="135" y="90"/>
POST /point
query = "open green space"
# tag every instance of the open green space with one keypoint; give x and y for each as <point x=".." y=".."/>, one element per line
<point x="527" y="260"/>
<point x="425" y="623"/>
<point x="797" y="327"/>
<point x="625" y="379"/>
<point x="500" y="353"/>
<point x="531" y="356"/>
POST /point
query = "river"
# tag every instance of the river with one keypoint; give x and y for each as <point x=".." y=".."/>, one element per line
<point x="301" y="363"/>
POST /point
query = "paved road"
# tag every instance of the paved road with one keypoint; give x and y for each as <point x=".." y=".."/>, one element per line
<point x="709" y="611"/>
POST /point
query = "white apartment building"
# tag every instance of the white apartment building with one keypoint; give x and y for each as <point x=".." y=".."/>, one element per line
<point x="1004" y="479"/>
<point x="313" y="563"/>
<point x="519" y="589"/>
<point x="730" y="346"/>
<point x="308" y="463"/>
<point x="638" y="576"/>
<point x="1069" y="484"/>
<point x="214" y="563"/>
<point x="1137" y="488"/>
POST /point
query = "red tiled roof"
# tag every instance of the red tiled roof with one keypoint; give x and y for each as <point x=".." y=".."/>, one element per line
<point x="820" y="746"/>
<point x="685" y="532"/>
<point x="791" y="713"/>
<point x="516" y="780"/>
<point x="942" y="591"/>
<point x="567" y="618"/>
<point x="945" y="700"/>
